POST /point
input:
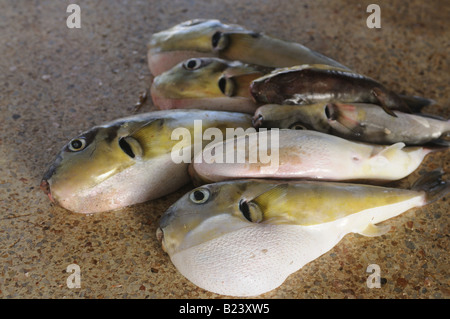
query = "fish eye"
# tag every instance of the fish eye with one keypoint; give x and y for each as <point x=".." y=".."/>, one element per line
<point x="192" y="64"/>
<point x="226" y="86"/>
<point x="250" y="211"/>
<point x="297" y="126"/>
<point x="77" y="144"/>
<point x="199" y="196"/>
<point x="219" y="41"/>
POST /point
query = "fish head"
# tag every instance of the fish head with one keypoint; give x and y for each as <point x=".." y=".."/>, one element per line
<point x="193" y="38"/>
<point x="108" y="167"/>
<point x="208" y="212"/>
<point x="207" y="81"/>
<point x="84" y="163"/>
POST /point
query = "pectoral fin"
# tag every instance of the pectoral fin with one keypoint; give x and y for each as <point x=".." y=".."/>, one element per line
<point x="373" y="230"/>
<point x="151" y="138"/>
<point x="242" y="83"/>
<point x="137" y="142"/>
<point x="272" y="203"/>
<point x="340" y="120"/>
<point x="276" y="193"/>
<point x="381" y="97"/>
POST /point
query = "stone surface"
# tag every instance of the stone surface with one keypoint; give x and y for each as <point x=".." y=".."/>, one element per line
<point x="56" y="82"/>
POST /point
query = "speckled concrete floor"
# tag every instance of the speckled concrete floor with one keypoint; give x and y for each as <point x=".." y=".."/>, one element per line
<point x="56" y="82"/>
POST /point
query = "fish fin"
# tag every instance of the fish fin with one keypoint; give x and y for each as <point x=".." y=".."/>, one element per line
<point x="273" y="195"/>
<point x="145" y="136"/>
<point x="134" y="144"/>
<point x="242" y="83"/>
<point x="375" y="230"/>
<point x="244" y="41"/>
<point x="416" y="103"/>
<point x="381" y="97"/>
<point x="433" y="185"/>
<point x="390" y="151"/>
<point x="438" y="144"/>
<point x="337" y="119"/>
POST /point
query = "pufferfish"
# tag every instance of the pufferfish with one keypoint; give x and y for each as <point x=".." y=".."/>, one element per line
<point x="244" y="238"/>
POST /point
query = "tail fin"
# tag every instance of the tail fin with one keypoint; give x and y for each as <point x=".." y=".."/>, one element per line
<point x="416" y="103"/>
<point x="439" y="144"/>
<point x="433" y="185"/>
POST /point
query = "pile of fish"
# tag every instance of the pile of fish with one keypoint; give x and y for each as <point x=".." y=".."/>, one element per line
<point x="326" y="139"/>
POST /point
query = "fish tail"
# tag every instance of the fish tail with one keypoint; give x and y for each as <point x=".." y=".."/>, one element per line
<point x="416" y="103"/>
<point x="433" y="186"/>
<point x="437" y="145"/>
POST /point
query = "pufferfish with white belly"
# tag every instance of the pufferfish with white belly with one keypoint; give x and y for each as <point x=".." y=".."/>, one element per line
<point x="244" y="238"/>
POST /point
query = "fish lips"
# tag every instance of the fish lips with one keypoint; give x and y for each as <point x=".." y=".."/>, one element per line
<point x="45" y="185"/>
<point x="166" y="219"/>
<point x="257" y="120"/>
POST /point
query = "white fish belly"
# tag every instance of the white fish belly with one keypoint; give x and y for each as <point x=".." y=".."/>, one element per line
<point x="139" y="183"/>
<point x="252" y="260"/>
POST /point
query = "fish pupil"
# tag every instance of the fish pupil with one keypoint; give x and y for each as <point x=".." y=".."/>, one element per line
<point x="76" y="144"/>
<point x="245" y="210"/>
<point x="126" y="148"/>
<point x="198" y="195"/>
<point x="215" y="38"/>
<point x="191" y="64"/>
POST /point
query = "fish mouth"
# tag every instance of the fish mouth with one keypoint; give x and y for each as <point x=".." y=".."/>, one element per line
<point x="160" y="237"/>
<point x="45" y="187"/>
<point x="257" y="120"/>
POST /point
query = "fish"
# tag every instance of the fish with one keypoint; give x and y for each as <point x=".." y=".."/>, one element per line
<point x="310" y="84"/>
<point x="212" y="38"/>
<point x="207" y="83"/>
<point x="355" y="121"/>
<point x="304" y="154"/>
<point x="129" y="160"/>
<point x="244" y="238"/>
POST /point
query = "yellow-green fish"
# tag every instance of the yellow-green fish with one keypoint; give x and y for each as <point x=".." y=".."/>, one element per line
<point x="212" y="38"/>
<point x="244" y="238"/>
<point x="207" y="83"/>
<point x="131" y="160"/>
<point x="355" y="121"/>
